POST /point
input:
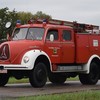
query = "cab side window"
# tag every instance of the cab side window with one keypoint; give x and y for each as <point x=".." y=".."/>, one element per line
<point x="67" y="35"/>
<point x="54" y="33"/>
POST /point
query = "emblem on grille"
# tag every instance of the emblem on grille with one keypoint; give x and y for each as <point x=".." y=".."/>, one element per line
<point x="4" y="52"/>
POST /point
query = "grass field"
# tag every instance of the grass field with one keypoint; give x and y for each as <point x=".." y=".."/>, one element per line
<point x="12" y="80"/>
<point x="85" y="95"/>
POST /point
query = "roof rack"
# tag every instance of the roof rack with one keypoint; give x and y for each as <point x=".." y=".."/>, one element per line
<point x="78" y="27"/>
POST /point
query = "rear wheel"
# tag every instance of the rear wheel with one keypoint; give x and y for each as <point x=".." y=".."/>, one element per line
<point x="91" y="78"/>
<point x="38" y="76"/>
<point x="3" y="79"/>
<point x="57" y="78"/>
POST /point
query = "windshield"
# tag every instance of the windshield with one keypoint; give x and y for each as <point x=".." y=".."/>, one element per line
<point x="20" y="33"/>
<point x="35" y="33"/>
<point x="30" y="34"/>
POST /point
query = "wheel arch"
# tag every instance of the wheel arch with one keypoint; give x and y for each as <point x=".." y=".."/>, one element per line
<point x="93" y="58"/>
<point x="44" y="59"/>
<point x="36" y="56"/>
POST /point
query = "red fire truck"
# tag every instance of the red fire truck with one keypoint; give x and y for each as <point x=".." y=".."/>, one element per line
<point x="55" y="49"/>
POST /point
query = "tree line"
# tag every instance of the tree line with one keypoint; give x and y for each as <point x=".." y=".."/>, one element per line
<point x="6" y="15"/>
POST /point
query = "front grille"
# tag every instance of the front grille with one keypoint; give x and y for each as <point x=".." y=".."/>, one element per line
<point x="4" y="52"/>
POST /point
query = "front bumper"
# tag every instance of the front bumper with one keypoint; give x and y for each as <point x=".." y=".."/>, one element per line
<point x="13" y="67"/>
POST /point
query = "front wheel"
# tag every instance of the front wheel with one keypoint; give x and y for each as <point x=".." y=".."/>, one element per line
<point x="3" y="79"/>
<point x="38" y="76"/>
<point x="91" y="78"/>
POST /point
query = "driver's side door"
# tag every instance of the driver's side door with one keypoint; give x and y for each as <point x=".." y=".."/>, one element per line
<point x="52" y="48"/>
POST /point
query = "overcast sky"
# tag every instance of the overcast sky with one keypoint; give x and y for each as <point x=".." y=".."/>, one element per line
<point x="84" y="11"/>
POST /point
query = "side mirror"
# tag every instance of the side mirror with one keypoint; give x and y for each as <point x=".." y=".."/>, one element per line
<point x="51" y="37"/>
<point x="8" y="25"/>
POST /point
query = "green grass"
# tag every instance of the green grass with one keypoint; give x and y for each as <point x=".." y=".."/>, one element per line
<point x="85" y="95"/>
<point x="12" y="80"/>
<point x="73" y="79"/>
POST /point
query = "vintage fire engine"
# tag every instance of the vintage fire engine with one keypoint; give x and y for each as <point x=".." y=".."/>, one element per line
<point x="55" y="49"/>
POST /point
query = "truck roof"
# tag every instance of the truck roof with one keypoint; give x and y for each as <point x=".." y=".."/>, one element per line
<point x="45" y="26"/>
<point x="77" y="27"/>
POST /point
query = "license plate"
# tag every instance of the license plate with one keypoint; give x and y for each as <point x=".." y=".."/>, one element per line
<point x="3" y="71"/>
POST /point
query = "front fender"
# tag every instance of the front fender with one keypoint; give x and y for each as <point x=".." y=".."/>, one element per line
<point x="32" y="56"/>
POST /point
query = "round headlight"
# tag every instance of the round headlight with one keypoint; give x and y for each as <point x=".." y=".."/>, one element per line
<point x="26" y="59"/>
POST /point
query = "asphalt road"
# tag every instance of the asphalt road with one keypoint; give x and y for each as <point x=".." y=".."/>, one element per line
<point x="25" y="89"/>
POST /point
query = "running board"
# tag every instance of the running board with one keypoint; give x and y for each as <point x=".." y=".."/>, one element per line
<point x="77" y="68"/>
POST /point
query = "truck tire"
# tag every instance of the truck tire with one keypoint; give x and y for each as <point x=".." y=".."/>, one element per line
<point x="57" y="78"/>
<point x="38" y="76"/>
<point x="91" y="78"/>
<point x="3" y="79"/>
